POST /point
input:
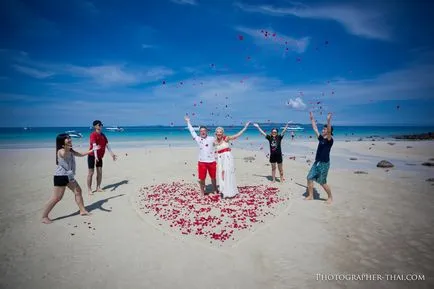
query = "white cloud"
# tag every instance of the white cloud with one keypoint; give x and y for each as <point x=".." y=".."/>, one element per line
<point x="298" y="45"/>
<point x="146" y="46"/>
<point x="183" y="2"/>
<point x="106" y="75"/>
<point x="120" y="74"/>
<point x="33" y="72"/>
<point x="296" y="104"/>
<point x="366" y="23"/>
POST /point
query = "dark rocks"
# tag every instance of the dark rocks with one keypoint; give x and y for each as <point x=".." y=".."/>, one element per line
<point x="422" y="136"/>
<point x="428" y="164"/>
<point x="360" y="173"/>
<point x="385" y="164"/>
<point x="353" y="159"/>
<point x="409" y="147"/>
<point x="391" y="143"/>
<point x="430" y="180"/>
<point x="249" y="159"/>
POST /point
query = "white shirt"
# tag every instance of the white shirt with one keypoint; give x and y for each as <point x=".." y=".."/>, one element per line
<point x="206" y="145"/>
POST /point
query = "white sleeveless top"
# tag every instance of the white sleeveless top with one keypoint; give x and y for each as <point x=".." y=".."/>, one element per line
<point x="222" y="145"/>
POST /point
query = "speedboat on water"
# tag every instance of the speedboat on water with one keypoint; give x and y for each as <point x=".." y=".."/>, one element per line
<point x="195" y="128"/>
<point x="294" y="128"/>
<point x="114" y="128"/>
<point x="74" y="134"/>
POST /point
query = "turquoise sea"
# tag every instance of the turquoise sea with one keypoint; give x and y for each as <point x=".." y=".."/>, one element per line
<point x="40" y="137"/>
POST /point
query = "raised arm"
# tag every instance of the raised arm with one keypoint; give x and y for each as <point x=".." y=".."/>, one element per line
<point x="190" y="128"/>
<point x="286" y="127"/>
<point x="232" y="137"/>
<point x="315" y="128"/>
<point x="329" y="126"/>
<point x="260" y="129"/>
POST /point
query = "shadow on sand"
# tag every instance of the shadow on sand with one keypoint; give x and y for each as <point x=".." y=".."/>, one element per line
<point x="316" y="195"/>
<point x="270" y="178"/>
<point x="91" y="207"/>
<point x="114" y="186"/>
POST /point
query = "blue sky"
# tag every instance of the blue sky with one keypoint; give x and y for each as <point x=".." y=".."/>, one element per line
<point x="65" y="63"/>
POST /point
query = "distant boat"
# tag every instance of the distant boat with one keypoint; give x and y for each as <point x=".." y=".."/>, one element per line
<point x="294" y="127"/>
<point x="26" y="128"/>
<point x="114" y="128"/>
<point x="74" y="134"/>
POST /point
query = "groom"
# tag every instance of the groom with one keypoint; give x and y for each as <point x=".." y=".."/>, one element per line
<point x="207" y="162"/>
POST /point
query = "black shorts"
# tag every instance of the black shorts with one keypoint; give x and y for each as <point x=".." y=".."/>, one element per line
<point x="91" y="162"/>
<point x="61" y="181"/>
<point x="276" y="158"/>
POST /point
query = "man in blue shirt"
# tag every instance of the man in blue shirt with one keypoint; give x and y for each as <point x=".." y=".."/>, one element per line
<point x="320" y="168"/>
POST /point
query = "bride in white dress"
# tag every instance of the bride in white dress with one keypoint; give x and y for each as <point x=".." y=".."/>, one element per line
<point x="225" y="162"/>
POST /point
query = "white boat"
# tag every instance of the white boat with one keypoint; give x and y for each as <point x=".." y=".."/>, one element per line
<point x="114" y="128"/>
<point x="74" y="134"/>
<point x="294" y="127"/>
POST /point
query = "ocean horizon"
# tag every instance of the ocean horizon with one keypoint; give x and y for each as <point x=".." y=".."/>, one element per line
<point x="155" y="135"/>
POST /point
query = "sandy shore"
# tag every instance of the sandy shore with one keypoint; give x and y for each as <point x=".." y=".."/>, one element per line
<point x="380" y="222"/>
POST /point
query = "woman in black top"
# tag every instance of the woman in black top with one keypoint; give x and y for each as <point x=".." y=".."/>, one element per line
<point x="275" y="141"/>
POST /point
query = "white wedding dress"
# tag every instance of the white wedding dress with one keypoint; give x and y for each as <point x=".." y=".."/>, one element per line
<point x="226" y="170"/>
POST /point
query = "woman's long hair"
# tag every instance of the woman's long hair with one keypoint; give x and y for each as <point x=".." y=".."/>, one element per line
<point x="60" y="143"/>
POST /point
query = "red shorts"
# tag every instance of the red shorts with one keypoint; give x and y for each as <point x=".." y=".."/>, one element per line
<point x="204" y="167"/>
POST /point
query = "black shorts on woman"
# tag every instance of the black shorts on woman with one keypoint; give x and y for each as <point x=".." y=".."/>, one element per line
<point x="275" y="148"/>
<point x="276" y="158"/>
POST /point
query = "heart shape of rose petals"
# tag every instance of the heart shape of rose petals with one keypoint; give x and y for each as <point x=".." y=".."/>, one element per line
<point x="179" y="208"/>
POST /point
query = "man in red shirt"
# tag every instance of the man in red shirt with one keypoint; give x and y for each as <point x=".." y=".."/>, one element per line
<point x="94" y="159"/>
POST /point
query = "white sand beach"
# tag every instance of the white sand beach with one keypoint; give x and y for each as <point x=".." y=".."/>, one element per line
<point x="379" y="223"/>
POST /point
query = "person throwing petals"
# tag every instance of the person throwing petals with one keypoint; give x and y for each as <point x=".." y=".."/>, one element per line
<point x="64" y="176"/>
<point x="94" y="159"/>
<point x="320" y="168"/>
<point x="207" y="162"/>
<point x="225" y="162"/>
<point x="275" y="141"/>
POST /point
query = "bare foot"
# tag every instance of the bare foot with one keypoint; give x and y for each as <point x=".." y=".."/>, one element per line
<point x="90" y="193"/>
<point x="309" y="198"/>
<point x="46" y="220"/>
<point x="329" y="201"/>
<point x="273" y="181"/>
<point x="85" y="213"/>
<point x="202" y="193"/>
<point x="100" y="190"/>
<point x="282" y="179"/>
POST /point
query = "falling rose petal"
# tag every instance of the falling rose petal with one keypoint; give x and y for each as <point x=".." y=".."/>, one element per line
<point x="397" y="107"/>
<point x="240" y="37"/>
<point x="164" y="82"/>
